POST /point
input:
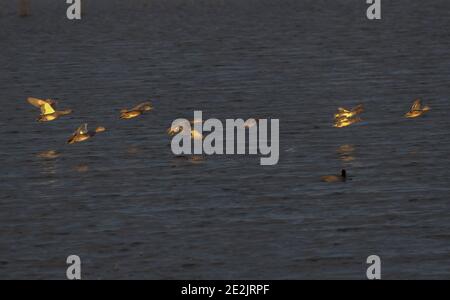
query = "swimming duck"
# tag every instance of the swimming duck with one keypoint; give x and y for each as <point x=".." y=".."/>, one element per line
<point x="335" y="178"/>
<point x="48" y="112"/>
<point x="417" y="110"/>
<point x="136" y="111"/>
<point x="82" y="134"/>
<point x="342" y="112"/>
<point x="344" y="122"/>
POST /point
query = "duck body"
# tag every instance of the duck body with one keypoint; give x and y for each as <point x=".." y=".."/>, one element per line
<point x="79" y="138"/>
<point x="414" y="114"/>
<point x="54" y="116"/>
<point x="48" y="112"/>
<point x="136" y="111"/>
<point x="335" y="178"/>
<point x="82" y="134"/>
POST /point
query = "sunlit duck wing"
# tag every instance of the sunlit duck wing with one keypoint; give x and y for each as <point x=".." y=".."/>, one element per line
<point x="342" y="112"/>
<point x="47" y="109"/>
<point x="417" y="105"/>
<point x="39" y="102"/>
<point x="36" y="102"/>
<point x="143" y="106"/>
<point x="83" y="129"/>
<point x="80" y="133"/>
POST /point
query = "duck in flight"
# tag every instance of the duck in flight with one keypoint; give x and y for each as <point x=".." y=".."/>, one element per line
<point x="335" y="178"/>
<point x="82" y="134"/>
<point x="417" y="110"/>
<point x="48" y="112"/>
<point x="136" y="111"/>
<point x="346" y="117"/>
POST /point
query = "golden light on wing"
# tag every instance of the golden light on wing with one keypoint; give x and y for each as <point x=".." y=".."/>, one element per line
<point x="416" y="105"/>
<point x="36" y="102"/>
<point x="82" y="129"/>
<point x="345" y="113"/>
<point x="343" y="110"/>
<point x="345" y="117"/>
<point x="47" y="109"/>
<point x="143" y="106"/>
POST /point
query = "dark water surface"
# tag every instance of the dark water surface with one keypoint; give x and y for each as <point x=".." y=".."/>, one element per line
<point x="131" y="210"/>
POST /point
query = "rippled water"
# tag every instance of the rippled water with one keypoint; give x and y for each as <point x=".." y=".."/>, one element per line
<point x="130" y="209"/>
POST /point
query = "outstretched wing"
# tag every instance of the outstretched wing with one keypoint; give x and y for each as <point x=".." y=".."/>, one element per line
<point x="343" y="110"/>
<point x="45" y="105"/>
<point x="39" y="102"/>
<point x="143" y="106"/>
<point x="83" y="129"/>
<point x="36" y="102"/>
<point x="417" y="105"/>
